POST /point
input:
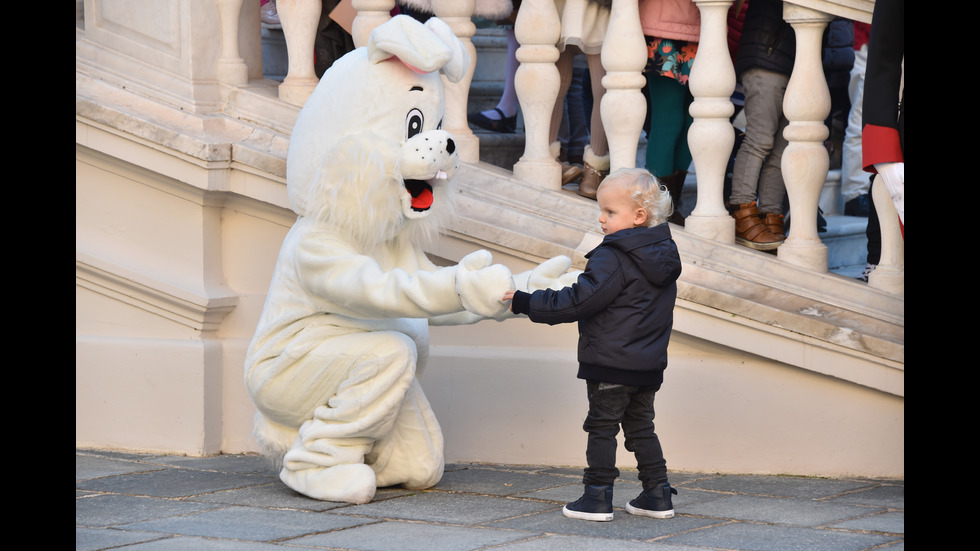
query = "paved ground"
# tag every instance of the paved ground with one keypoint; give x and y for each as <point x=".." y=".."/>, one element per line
<point x="236" y="502"/>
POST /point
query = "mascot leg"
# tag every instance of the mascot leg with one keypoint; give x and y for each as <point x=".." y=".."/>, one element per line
<point x="412" y="453"/>
<point x="327" y="460"/>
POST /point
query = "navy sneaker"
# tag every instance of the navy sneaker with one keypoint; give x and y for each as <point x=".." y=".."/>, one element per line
<point x="654" y="502"/>
<point x="595" y="504"/>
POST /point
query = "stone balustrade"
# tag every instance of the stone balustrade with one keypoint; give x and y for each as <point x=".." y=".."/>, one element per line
<point x="806" y="105"/>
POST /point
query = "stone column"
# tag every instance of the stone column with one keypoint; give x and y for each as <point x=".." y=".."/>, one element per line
<point x="889" y="276"/>
<point x="458" y="15"/>
<point x="538" y="29"/>
<point x="232" y="69"/>
<point x="712" y="136"/>
<point x="299" y="20"/>
<point x="370" y="14"/>
<point x="623" y="106"/>
<point x="805" y="161"/>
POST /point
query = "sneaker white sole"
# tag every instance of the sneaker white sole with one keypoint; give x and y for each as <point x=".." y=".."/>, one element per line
<point x="602" y="517"/>
<point x="646" y="513"/>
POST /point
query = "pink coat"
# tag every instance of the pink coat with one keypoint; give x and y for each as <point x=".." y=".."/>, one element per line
<point x="674" y="19"/>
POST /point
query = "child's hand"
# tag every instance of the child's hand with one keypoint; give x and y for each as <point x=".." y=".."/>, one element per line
<point x="508" y="296"/>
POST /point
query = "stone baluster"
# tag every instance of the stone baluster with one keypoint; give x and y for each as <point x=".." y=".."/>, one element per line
<point x="712" y="136"/>
<point x="536" y="82"/>
<point x="623" y="106"/>
<point x="805" y="161"/>
<point x="370" y="14"/>
<point x="889" y="276"/>
<point x="232" y="69"/>
<point x="299" y="19"/>
<point x="458" y="14"/>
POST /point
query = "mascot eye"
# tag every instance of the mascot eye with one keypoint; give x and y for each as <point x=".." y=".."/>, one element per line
<point x="413" y="124"/>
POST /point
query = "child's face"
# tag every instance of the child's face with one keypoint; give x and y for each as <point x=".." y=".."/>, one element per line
<point x="618" y="210"/>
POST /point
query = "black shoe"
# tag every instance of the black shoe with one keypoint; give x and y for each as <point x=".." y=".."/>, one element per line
<point x="654" y="502"/>
<point x="858" y="206"/>
<point x="505" y="125"/>
<point x="595" y="504"/>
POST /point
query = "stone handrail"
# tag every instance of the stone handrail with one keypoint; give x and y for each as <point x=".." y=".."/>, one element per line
<point x="806" y="104"/>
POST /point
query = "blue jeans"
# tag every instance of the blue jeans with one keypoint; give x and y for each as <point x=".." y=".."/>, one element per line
<point x="613" y="405"/>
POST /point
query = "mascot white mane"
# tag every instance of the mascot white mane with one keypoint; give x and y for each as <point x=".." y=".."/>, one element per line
<point x="333" y="366"/>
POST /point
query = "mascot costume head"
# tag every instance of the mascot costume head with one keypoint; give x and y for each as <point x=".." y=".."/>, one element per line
<point x="333" y="366"/>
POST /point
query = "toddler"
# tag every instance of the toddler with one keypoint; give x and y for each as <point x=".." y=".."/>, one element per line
<point x="623" y="302"/>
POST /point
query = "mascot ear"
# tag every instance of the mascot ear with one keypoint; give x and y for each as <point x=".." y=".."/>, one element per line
<point x="455" y="68"/>
<point x="423" y="48"/>
<point x="408" y="40"/>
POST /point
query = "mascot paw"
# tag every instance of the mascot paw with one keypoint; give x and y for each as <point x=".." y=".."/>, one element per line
<point x="349" y="483"/>
<point x="481" y="285"/>
<point x="550" y="274"/>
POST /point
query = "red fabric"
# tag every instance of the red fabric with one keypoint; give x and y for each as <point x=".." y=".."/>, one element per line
<point x="861" y="33"/>
<point x="735" y="23"/>
<point x="880" y="144"/>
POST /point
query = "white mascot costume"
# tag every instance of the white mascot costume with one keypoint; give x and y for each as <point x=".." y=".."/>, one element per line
<point x="333" y="364"/>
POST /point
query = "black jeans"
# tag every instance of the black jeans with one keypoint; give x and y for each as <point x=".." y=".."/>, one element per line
<point x="632" y="407"/>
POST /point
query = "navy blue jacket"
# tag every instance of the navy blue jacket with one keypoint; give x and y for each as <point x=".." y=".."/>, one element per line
<point x="624" y="305"/>
<point x="768" y="42"/>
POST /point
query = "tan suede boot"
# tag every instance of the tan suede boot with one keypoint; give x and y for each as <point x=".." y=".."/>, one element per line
<point x="596" y="168"/>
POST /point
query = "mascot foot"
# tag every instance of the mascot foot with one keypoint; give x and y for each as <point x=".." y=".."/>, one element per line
<point x="351" y="483"/>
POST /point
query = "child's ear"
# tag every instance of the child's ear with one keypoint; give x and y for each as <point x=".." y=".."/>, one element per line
<point x="640" y="218"/>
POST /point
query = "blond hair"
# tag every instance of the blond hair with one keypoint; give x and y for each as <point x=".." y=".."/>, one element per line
<point x="645" y="191"/>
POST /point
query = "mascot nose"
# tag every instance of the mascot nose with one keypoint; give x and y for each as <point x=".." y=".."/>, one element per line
<point x="450" y="146"/>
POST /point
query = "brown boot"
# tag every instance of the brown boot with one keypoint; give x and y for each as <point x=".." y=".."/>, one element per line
<point x="570" y="173"/>
<point x="750" y="230"/>
<point x="774" y="223"/>
<point x="596" y="168"/>
<point x="675" y="185"/>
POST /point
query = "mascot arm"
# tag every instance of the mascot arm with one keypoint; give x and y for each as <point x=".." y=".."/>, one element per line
<point x="357" y="286"/>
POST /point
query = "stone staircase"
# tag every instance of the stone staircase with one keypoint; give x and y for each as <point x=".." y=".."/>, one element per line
<point x="844" y="236"/>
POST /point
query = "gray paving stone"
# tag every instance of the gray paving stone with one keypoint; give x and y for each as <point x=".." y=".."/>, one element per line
<point x="745" y="536"/>
<point x="181" y="543"/>
<point x="623" y="525"/>
<point x="448" y="508"/>
<point x="88" y="467"/>
<point x="892" y="522"/>
<point x="173" y="483"/>
<point x="113" y="510"/>
<point x="779" y="486"/>
<point x="412" y="536"/>
<point x="237" y="502"/>
<point x="570" y="543"/>
<point x="94" y="539"/>
<point x="497" y="482"/>
<point x="776" y="510"/>
<point x="275" y="495"/>
<point x="249" y="524"/>
<point x="254" y="464"/>
<point x="891" y="496"/>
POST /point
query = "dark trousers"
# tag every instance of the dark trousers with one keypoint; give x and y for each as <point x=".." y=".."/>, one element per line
<point x="612" y="406"/>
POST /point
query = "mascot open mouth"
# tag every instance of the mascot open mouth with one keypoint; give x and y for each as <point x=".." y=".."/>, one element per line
<point x="421" y="193"/>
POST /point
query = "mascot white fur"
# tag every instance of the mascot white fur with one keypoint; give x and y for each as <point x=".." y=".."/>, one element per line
<point x="333" y="364"/>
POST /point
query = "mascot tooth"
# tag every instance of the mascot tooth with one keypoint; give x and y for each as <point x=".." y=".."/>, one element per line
<point x="333" y="365"/>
